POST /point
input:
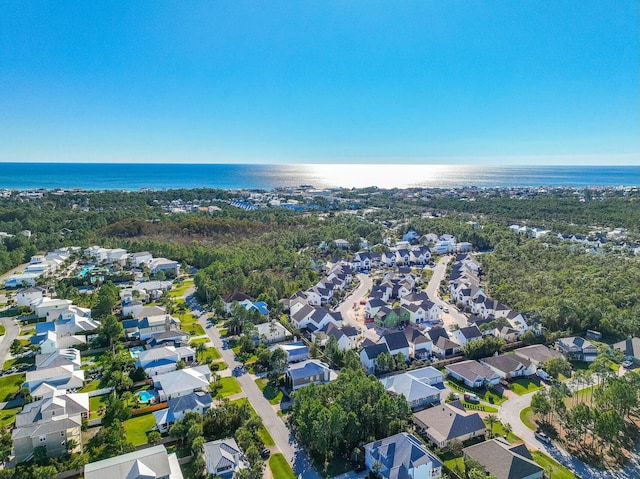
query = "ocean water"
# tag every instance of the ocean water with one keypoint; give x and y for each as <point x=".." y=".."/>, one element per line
<point x="113" y="176"/>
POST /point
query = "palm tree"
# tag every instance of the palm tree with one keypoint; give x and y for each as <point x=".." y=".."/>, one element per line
<point x="201" y="349"/>
<point x="507" y="429"/>
<point x="491" y="420"/>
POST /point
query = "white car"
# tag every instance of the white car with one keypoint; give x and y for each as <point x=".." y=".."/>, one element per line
<point x="445" y="309"/>
<point x="627" y="364"/>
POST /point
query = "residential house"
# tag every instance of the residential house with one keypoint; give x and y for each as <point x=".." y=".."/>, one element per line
<point x="630" y="348"/>
<point x="26" y="296"/>
<point x="62" y="357"/>
<point x="198" y="401"/>
<point x="373" y="306"/>
<point x="517" y="322"/>
<point x="307" y="372"/>
<point x="473" y="374"/>
<point x="50" y="341"/>
<point x="504" y="460"/>
<point x="138" y="259"/>
<point x="341" y="243"/>
<point x="163" y="359"/>
<point x="448" y="422"/>
<point x="507" y="333"/>
<point x="362" y="261"/>
<point x="537" y="354"/>
<point x="510" y="366"/>
<point x="151" y="319"/>
<point x="223" y="458"/>
<point x="402" y="456"/>
<point x="390" y="317"/>
<point x="417" y="386"/>
<point x="236" y="297"/>
<point x="465" y="335"/>
<point x="64" y="378"/>
<point x="150" y="463"/>
<point x="578" y="349"/>
<point x="182" y="382"/>
<point x="173" y="337"/>
<point x="165" y="265"/>
<point x="442" y="345"/>
<point x="296" y="351"/>
<point x="42" y="306"/>
<point x="53" y="432"/>
<point x="420" y="256"/>
<point x="420" y="345"/>
<point x="397" y="343"/>
<point x="131" y="307"/>
<point x="271" y="332"/>
<point x="369" y="355"/>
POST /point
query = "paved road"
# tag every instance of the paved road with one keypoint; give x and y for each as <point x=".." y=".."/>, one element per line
<point x="346" y="307"/>
<point x="295" y="455"/>
<point x="453" y="317"/>
<point x="510" y="412"/>
<point x="11" y="332"/>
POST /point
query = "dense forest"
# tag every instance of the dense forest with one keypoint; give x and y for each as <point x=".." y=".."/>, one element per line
<point x="565" y="287"/>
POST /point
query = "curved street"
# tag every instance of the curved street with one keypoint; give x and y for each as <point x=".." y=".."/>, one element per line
<point x="453" y="317"/>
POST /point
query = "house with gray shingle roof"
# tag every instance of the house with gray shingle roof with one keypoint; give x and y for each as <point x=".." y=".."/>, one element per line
<point x="447" y="422"/>
<point x="536" y="353"/>
<point x="308" y="372"/>
<point x="509" y="366"/>
<point x="198" y="401"/>
<point x="504" y="460"/>
<point x="473" y="373"/>
<point x="630" y="348"/>
<point x="577" y="348"/>
<point x="369" y="355"/>
<point x="402" y="456"/>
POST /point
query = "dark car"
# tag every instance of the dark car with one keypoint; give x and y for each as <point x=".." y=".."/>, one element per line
<point x="264" y="453"/>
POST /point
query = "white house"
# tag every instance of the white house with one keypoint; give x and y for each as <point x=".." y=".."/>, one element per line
<point x="223" y="458"/>
<point x="182" y="382"/>
<point x="149" y="463"/>
<point x="42" y="306"/>
<point x="138" y="259"/>
<point x="26" y="296"/>
<point x="402" y="455"/>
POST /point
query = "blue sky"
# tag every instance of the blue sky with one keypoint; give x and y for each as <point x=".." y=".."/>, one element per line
<point x="528" y="82"/>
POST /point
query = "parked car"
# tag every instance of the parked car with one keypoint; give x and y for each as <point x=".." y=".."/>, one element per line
<point x="627" y="364"/>
<point x="542" y="374"/>
<point x="541" y="436"/>
<point x="445" y="309"/>
<point x="265" y="453"/>
<point x="470" y="397"/>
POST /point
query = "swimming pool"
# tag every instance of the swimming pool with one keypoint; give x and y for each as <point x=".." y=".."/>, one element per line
<point x="85" y="270"/>
<point x="146" y="396"/>
<point x="134" y="351"/>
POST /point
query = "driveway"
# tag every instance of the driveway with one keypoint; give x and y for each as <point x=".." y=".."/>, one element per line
<point x="453" y="317"/>
<point x="295" y="455"/>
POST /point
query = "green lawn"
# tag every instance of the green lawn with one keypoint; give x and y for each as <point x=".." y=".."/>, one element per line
<point x="194" y="329"/>
<point x="525" y="385"/>
<point x="194" y="343"/>
<point x="180" y="289"/>
<point x="272" y="393"/>
<point x="230" y="386"/>
<point x="558" y="471"/>
<point x="478" y="407"/>
<point x="280" y="468"/>
<point x="14" y="362"/>
<point x="10" y="385"/>
<point x="527" y="418"/>
<point x="483" y="393"/>
<point x="265" y="437"/>
<point x="92" y="386"/>
<point x="95" y="404"/>
<point x="211" y="353"/>
<point x="2" y="330"/>
<point x="498" y="430"/>
<point x="8" y="416"/>
<point x="136" y="428"/>
<point x="455" y="464"/>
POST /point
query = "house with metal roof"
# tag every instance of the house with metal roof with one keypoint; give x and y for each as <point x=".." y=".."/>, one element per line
<point x="296" y="351"/>
<point x="150" y="463"/>
<point x="198" y="401"/>
<point x="504" y="460"/>
<point x="417" y="386"/>
<point x="163" y="359"/>
<point x="447" y="422"/>
<point x="223" y="458"/>
<point x="402" y="456"/>
<point x="308" y="372"/>
<point x="182" y="382"/>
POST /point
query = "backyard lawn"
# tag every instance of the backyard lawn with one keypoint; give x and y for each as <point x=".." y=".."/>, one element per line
<point x="558" y="471"/>
<point x="92" y="386"/>
<point x="525" y="385"/>
<point x="8" y="416"/>
<point x="280" y="468"/>
<point x="271" y="393"/>
<point x="11" y="384"/>
<point x="230" y="386"/>
<point x="15" y="362"/>
<point x="136" y="428"/>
